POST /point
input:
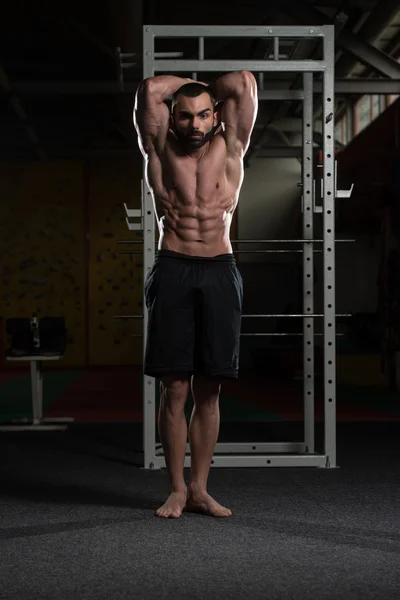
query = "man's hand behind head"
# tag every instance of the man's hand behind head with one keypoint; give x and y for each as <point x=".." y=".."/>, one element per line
<point x="196" y="81"/>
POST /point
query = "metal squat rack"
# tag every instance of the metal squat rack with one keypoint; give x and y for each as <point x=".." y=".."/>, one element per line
<point x="284" y="454"/>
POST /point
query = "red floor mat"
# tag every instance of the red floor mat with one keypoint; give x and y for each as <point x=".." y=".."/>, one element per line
<point x="115" y="395"/>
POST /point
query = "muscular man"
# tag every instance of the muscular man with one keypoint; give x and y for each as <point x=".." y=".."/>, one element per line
<point x="194" y="169"/>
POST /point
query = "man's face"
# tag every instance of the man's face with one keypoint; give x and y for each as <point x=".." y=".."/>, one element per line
<point x="194" y="119"/>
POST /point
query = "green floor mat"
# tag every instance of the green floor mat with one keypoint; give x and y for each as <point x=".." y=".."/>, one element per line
<point x="16" y="395"/>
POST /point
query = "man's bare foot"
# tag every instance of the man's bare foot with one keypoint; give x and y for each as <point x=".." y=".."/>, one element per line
<point x="173" y="507"/>
<point x="201" y="502"/>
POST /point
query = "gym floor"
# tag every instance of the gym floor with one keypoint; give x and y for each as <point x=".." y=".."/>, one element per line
<point x="77" y="520"/>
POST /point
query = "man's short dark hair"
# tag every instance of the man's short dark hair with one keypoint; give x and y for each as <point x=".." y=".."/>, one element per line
<point x="192" y="90"/>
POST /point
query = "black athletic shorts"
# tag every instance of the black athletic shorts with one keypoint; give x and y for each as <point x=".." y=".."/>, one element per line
<point x="194" y="315"/>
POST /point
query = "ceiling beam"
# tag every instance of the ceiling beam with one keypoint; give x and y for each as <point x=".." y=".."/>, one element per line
<point x="379" y="18"/>
<point x="367" y="54"/>
<point x="393" y="46"/>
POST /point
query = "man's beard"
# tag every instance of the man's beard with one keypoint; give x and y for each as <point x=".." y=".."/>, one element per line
<point x="195" y="143"/>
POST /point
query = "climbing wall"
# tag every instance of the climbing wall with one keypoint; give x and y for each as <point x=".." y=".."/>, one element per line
<point x="42" y="246"/>
<point x="115" y="280"/>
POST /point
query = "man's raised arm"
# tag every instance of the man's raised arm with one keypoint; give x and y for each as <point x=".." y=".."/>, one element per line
<point x="151" y="114"/>
<point x="238" y="92"/>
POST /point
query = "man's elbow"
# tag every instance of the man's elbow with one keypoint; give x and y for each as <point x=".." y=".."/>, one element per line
<point x="145" y="86"/>
<point x="144" y="92"/>
<point x="248" y="83"/>
<point x="248" y="78"/>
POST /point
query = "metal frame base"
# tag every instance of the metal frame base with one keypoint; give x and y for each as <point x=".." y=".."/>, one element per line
<point x="251" y="449"/>
<point x="247" y="454"/>
<point x="257" y="461"/>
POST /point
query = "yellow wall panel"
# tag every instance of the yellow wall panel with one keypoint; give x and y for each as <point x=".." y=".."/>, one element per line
<point x="42" y="246"/>
<point x="115" y="280"/>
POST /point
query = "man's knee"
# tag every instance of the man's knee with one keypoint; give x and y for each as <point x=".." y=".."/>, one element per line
<point x="174" y="389"/>
<point x="206" y="389"/>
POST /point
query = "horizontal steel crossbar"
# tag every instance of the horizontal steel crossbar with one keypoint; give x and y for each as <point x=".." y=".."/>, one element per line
<point x="256" y="241"/>
<point x="176" y="66"/>
<point x="175" y="31"/>
<point x="308" y="316"/>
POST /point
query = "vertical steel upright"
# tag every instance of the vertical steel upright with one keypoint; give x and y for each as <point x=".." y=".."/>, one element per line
<point x="308" y="263"/>
<point x="329" y="193"/>
<point x="149" y="383"/>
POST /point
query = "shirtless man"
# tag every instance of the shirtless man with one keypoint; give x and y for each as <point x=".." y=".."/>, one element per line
<point x="194" y="292"/>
